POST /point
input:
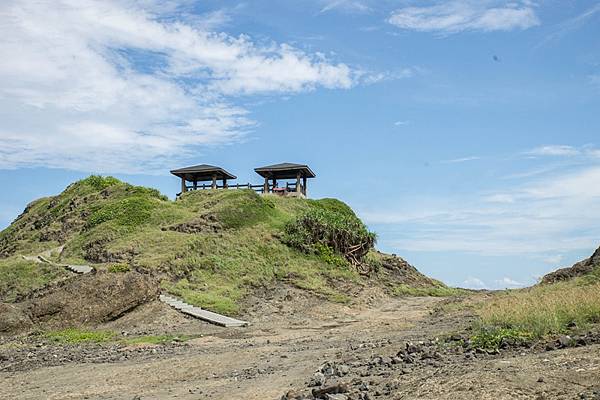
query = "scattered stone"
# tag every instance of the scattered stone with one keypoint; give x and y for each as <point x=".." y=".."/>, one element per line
<point x="318" y="379"/>
<point x="337" y="388"/>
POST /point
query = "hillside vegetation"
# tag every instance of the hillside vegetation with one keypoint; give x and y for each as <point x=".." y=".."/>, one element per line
<point x="566" y="300"/>
<point x="211" y="247"/>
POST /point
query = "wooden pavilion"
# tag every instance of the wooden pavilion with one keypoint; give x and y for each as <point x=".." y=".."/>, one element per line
<point x="202" y="173"/>
<point x="285" y="171"/>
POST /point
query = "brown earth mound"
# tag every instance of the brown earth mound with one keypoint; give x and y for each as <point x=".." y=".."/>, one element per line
<point x="89" y="299"/>
<point x="580" y="269"/>
<point x="401" y="272"/>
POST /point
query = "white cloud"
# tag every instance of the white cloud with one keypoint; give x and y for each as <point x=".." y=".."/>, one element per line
<point x="554" y="150"/>
<point x="457" y="16"/>
<point x="555" y="214"/>
<point x="353" y="6"/>
<point x="500" y="198"/>
<point x="461" y="160"/>
<point x="401" y="123"/>
<point x="474" y="283"/>
<point x="110" y="86"/>
<point x="508" y="283"/>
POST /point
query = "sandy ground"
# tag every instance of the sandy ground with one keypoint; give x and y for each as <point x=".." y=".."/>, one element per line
<point x="291" y="336"/>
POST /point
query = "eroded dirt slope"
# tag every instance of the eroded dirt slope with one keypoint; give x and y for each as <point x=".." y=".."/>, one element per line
<point x="294" y="335"/>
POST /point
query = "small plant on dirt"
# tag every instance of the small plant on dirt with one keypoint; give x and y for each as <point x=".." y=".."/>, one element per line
<point x="319" y="228"/>
<point x="116" y="268"/>
<point x="494" y="338"/>
<point x="74" y="336"/>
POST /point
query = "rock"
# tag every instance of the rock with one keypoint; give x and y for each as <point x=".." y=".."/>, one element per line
<point x="385" y="361"/>
<point x="338" y="388"/>
<point x="565" y="341"/>
<point x="293" y="395"/>
<point x="412" y="348"/>
<point x="336" y="397"/>
<point x="343" y="370"/>
<point x="318" y="379"/>
<point x="12" y="318"/>
<point x="540" y="379"/>
<point x="92" y="298"/>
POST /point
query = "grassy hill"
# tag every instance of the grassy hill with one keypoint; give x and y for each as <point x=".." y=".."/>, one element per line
<point x="211" y="247"/>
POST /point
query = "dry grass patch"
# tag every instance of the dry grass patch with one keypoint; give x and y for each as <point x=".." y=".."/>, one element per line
<point x="544" y="309"/>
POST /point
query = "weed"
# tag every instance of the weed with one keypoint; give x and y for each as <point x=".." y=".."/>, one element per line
<point x="117" y="268"/>
<point x="74" y="336"/>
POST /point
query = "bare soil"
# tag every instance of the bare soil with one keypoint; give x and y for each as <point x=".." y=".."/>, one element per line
<point x="293" y="336"/>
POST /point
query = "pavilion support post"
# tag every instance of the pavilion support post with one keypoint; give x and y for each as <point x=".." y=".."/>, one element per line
<point x="274" y="183"/>
<point x="266" y="185"/>
<point x="183" y="187"/>
<point x="298" y="186"/>
<point x="224" y="183"/>
<point x="214" y="182"/>
<point x="195" y="184"/>
<point x="304" y="185"/>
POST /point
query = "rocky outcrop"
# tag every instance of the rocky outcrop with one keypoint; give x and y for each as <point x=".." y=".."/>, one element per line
<point x="580" y="269"/>
<point x="83" y="300"/>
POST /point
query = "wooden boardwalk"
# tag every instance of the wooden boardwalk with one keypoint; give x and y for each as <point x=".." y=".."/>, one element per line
<point x="205" y="315"/>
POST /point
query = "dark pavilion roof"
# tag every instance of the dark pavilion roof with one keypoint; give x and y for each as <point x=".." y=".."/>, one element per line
<point x="203" y="172"/>
<point x="285" y="171"/>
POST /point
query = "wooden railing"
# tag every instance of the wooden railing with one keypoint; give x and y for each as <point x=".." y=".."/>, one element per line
<point x="289" y="187"/>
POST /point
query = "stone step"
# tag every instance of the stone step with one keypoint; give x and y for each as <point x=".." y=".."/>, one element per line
<point x="80" y="269"/>
<point x="198" y="312"/>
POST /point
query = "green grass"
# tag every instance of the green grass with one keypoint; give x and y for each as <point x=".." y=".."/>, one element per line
<point x="102" y="218"/>
<point x="118" y="268"/>
<point x="492" y="338"/>
<point x="19" y="277"/>
<point x="76" y="336"/>
<point x="543" y="309"/>
<point x="432" y="291"/>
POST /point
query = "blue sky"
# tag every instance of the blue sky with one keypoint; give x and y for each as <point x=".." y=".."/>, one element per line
<point x="466" y="133"/>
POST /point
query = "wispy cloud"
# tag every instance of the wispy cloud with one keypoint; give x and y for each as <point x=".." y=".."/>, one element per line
<point x="456" y="16"/>
<point x="571" y="24"/>
<point x="503" y="283"/>
<point x="461" y="160"/>
<point x="554" y="150"/>
<point x="564" y="151"/>
<point x="114" y="87"/>
<point x="542" y="217"/>
<point x="354" y="6"/>
<point x="401" y="123"/>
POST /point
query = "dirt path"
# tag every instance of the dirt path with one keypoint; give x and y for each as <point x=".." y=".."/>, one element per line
<point x="291" y="337"/>
<point x="260" y="362"/>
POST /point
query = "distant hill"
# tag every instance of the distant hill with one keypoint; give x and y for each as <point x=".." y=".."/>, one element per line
<point x="211" y="247"/>
<point x="582" y="268"/>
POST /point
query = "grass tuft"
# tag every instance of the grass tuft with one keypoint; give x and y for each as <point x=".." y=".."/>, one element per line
<point x="430" y="291"/>
<point x="75" y="336"/>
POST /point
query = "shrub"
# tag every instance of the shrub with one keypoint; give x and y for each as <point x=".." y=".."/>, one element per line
<point x="492" y="338"/>
<point x="131" y="211"/>
<point x="116" y="268"/>
<point x="100" y="182"/>
<point x="342" y="234"/>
